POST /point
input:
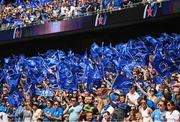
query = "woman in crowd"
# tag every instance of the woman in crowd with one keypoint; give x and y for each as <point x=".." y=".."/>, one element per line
<point x="172" y="115"/>
<point x="28" y="112"/>
<point x="58" y="112"/>
<point x="145" y="111"/>
<point x="151" y="95"/>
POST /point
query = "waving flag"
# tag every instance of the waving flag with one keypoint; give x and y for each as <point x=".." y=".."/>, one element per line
<point x="105" y="3"/>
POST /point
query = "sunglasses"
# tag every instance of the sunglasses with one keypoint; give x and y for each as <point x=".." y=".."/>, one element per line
<point x="55" y="104"/>
<point x="73" y="100"/>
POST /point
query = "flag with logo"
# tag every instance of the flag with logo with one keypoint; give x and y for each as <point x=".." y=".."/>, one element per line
<point x="17" y="33"/>
<point x="101" y="19"/>
<point x="150" y="10"/>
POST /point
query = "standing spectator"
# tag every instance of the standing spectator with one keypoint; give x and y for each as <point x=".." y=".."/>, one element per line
<point x="74" y="110"/>
<point x="172" y="115"/>
<point x="27" y="113"/>
<point x="58" y="112"/>
<point x="121" y="111"/>
<point x="48" y="111"/>
<point x="158" y="115"/>
<point x="19" y="112"/>
<point x="151" y="95"/>
<point x="37" y="112"/>
<point x="145" y="111"/>
<point x="81" y="100"/>
<point x="176" y="93"/>
<point x="132" y="97"/>
<point x="167" y="94"/>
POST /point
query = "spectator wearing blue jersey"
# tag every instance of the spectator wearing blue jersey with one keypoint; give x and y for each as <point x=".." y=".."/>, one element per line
<point x="57" y="112"/>
<point x="48" y="111"/>
<point x="158" y="115"/>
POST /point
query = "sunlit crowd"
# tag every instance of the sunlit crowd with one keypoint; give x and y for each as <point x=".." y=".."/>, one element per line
<point x="48" y="88"/>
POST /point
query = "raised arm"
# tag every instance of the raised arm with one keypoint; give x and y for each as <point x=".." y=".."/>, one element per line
<point x="141" y="89"/>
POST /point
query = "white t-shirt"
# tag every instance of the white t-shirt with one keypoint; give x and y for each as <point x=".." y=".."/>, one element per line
<point x="36" y="115"/>
<point x="172" y="117"/>
<point x="3" y="117"/>
<point x="133" y="97"/>
<point x="110" y="109"/>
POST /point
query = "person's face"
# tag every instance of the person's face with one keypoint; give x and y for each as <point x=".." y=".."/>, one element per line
<point x="66" y="117"/>
<point x="20" y="89"/>
<point x="8" y="105"/>
<point x="73" y="101"/>
<point x="5" y="91"/>
<point x="131" y="90"/>
<point x="169" y="106"/>
<point x="27" y="103"/>
<point x="75" y="93"/>
<point x="176" y="91"/>
<point x="143" y="103"/>
<point x="3" y="103"/>
<point x="89" y="116"/>
<point x="48" y="104"/>
<point x="80" y="99"/>
<point x="86" y="93"/>
<point x="161" y="88"/>
<point x="122" y="99"/>
<point x="106" y="117"/>
<point x="88" y="100"/>
<point x="34" y="107"/>
<point x="56" y="105"/>
<point x="161" y="106"/>
<point x="152" y="92"/>
<point x="103" y="87"/>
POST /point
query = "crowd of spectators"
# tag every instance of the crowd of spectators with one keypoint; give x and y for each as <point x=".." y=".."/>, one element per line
<point x="30" y="12"/>
<point x="145" y="101"/>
